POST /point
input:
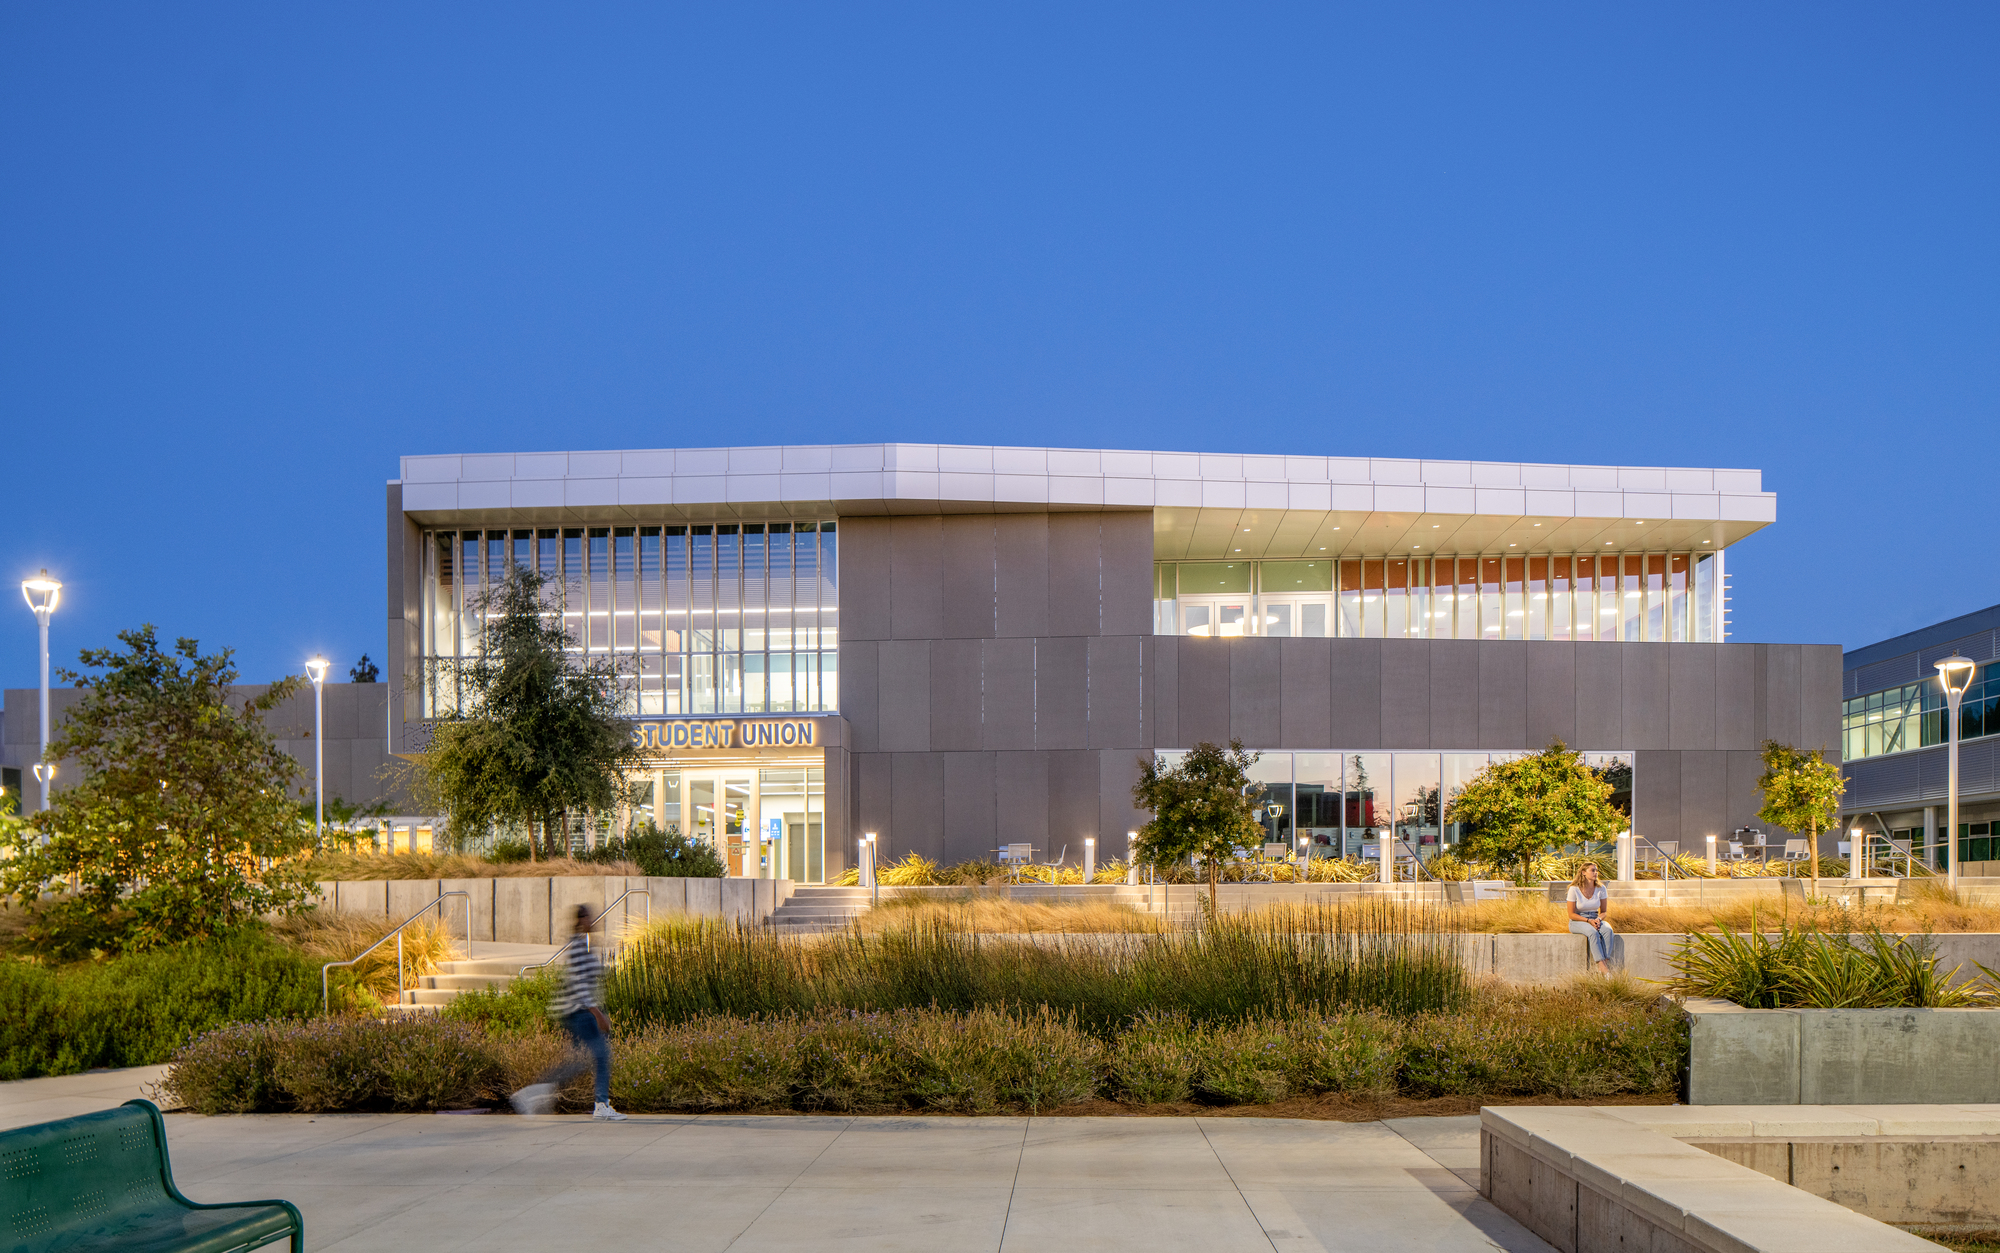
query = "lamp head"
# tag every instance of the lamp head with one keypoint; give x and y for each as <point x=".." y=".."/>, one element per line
<point x="869" y="837"/>
<point x="41" y="592"/>
<point x="316" y="669"/>
<point x="1955" y="674"/>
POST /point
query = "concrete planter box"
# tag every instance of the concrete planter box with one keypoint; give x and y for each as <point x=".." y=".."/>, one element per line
<point x="538" y="909"/>
<point x="1741" y="1056"/>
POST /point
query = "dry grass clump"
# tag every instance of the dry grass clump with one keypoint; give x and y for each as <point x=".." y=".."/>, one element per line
<point x="326" y="936"/>
<point x="999" y="915"/>
<point x="334" y="864"/>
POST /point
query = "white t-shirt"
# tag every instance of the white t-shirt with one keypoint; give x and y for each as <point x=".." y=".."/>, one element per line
<point x="1589" y="906"/>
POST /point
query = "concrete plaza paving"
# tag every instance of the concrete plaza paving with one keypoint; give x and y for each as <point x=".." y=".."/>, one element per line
<point x="752" y="1184"/>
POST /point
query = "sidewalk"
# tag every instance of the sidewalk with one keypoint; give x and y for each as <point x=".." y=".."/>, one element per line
<point x="25" y="1101"/>
<point x="764" y="1184"/>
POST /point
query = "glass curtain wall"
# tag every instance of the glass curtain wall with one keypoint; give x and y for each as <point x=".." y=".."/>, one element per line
<point x="1652" y="597"/>
<point x="1914" y="716"/>
<point x="719" y="618"/>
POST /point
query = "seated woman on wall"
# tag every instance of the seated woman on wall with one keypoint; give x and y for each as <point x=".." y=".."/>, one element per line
<point x="1589" y="914"/>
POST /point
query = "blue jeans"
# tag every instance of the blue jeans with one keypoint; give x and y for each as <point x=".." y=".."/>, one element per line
<point x="582" y="1027"/>
<point x="1600" y="939"/>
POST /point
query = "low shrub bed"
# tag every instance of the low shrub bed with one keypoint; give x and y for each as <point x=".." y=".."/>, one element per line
<point x="136" y="1009"/>
<point x="1590" y="1039"/>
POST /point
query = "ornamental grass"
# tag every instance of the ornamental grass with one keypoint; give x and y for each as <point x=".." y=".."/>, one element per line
<point x="1588" y="1039"/>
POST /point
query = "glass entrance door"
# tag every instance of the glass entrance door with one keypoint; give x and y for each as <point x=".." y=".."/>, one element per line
<point x="722" y="810"/>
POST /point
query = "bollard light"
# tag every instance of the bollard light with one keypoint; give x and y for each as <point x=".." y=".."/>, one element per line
<point x="1857" y="854"/>
<point x="1711" y="854"/>
<point x="1132" y="858"/>
<point x="1089" y="857"/>
<point x="869" y="879"/>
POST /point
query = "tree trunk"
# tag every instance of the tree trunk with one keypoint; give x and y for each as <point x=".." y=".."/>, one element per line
<point x="531" y="843"/>
<point x="1214" y="876"/>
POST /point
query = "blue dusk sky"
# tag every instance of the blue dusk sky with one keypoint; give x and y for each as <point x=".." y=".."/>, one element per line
<point x="251" y="254"/>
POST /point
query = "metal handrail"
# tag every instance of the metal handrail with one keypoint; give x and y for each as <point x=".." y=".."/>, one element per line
<point x="1666" y="862"/>
<point x="593" y="925"/>
<point x="325" y="998"/>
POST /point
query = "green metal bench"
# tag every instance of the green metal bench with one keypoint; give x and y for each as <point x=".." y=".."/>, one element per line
<point x="102" y="1181"/>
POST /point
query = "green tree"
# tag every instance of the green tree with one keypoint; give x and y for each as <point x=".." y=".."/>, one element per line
<point x="184" y="824"/>
<point x="1199" y="808"/>
<point x="1518" y="808"/>
<point x="537" y="733"/>
<point x="1801" y="790"/>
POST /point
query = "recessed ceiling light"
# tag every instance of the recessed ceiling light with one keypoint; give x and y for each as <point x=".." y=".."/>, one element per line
<point x="1510" y="545"/>
<point x="1537" y="524"/>
<point x="1434" y="526"/>
<point x="1607" y="543"/>
<point x="1704" y="541"/>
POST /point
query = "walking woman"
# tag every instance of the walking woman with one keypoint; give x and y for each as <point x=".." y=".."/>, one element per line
<point x="575" y="1007"/>
<point x="1589" y="914"/>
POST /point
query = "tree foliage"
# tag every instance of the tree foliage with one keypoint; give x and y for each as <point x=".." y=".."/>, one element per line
<point x="185" y="823"/>
<point x="1199" y="808"/>
<point x="1518" y="808"/>
<point x="537" y="734"/>
<point x="1801" y="789"/>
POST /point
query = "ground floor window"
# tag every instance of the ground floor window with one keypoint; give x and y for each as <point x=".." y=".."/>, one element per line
<point x="766" y="817"/>
<point x="1344" y="804"/>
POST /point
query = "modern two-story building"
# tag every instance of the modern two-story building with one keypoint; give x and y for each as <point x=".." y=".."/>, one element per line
<point x="961" y="647"/>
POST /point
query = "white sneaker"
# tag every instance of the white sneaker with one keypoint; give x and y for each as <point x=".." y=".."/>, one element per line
<point x="604" y="1113"/>
<point x="536" y="1098"/>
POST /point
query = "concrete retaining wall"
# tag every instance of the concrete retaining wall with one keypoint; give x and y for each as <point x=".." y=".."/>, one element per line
<point x="537" y="909"/>
<point x="1741" y="1056"/>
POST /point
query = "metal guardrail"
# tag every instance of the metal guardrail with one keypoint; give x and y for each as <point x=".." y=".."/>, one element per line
<point x="593" y="924"/>
<point x="325" y="998"/>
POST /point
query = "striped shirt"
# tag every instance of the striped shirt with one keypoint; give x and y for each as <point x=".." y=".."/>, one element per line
<point x="581" y="971"/>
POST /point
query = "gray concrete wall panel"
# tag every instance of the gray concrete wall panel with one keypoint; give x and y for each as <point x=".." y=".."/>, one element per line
<point x="1009" y="700"/>
<point x="1705" y="798"/>
<point x="1551" y="693"/>
<point x="968" y="577"/>
<point x="1204" y="692"/>
<point x="865" y="586"/>
<point x="1062" y="692"/>
<point x="1406" y="693"/>
<point x="1075" y="802"/>
<point x="1691" y="696"/>
<point x="1819" y="697"/>
<point x="1305" y="675"/>
<point x="874" y="785"/>
<point x="1256" y="682"/>
<point x="1125" y="604"/>
<point x="916" y="578"/>
<point x="1356" y="694"/>
<point x="905" y="686"/>
<point x="1165" y="673"/>
<point x="1455" y="694"/>
<point x="1656" y="793"/>
<point x="839" y="830"/>
<point x="1074" y="583"/>
<point x="955" y="694"/>
<point x="1735" y="695"/>
<point x="1503" y="697"/>
<point x="1782" y="693"/>
<point x="916" y="823"/>
<point x="860" y="693"/>
<point x="1744" y="797"/>
<point x="971" y="807"/>
<point x="1600" y="695"/>
<point x="1022" y="783"/>
<point x="1117" y="669"/>
<point x="1648" y="692"/>
<point x="1117" y="771"/>
<point x="1021" y="575"/>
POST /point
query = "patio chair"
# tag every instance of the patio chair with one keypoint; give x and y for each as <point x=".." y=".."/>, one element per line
<point x="1053" y="866"/>
<point x="1014" y="857"/>
<point x="1735" y="852"/>
<point x="1797" y="850"/>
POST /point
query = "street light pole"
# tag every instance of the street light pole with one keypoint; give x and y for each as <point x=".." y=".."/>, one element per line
<point x="316" y="668"/>
<point x="42" y="593"/>
<point x="1955" y="677"/>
